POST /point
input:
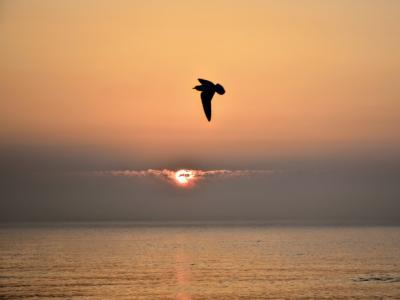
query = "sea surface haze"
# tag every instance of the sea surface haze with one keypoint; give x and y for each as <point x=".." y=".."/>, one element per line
<point x="198" y="261"/>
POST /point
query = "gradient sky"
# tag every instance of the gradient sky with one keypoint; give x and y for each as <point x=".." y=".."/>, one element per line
<point x="300" y="75"/>
<point x="302" y="79"/>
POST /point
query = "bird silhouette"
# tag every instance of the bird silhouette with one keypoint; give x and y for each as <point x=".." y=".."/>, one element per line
<point x="208" y="89"/>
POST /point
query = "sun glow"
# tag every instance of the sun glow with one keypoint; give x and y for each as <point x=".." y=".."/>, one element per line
<point x="184" y="177"/>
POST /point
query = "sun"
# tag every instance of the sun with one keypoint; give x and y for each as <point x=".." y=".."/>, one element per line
<point x="184" y="177"/>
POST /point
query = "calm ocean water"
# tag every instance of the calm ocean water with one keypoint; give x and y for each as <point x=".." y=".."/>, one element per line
<point x="181" y="261"/>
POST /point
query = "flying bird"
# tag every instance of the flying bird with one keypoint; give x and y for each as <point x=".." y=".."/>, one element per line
<point x="208" y="89"/>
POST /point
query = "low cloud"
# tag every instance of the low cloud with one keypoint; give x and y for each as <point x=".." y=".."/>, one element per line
<point x="170" y="175"/>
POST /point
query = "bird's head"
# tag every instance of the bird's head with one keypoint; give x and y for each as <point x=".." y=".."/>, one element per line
<point x="219" y="89"/>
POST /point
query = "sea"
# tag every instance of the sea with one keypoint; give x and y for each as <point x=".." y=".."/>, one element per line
<point x="203" y="260"/>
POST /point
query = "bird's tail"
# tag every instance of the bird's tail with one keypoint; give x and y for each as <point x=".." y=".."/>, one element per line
<point x="197" y="87"/>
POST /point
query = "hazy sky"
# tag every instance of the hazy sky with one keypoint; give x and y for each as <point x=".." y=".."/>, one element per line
<point x="299" y="75"/>
<point x="302" y="79"/>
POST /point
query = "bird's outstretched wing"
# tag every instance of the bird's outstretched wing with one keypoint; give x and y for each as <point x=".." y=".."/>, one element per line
<point x="205" y="82"/>
<point x="206" y="98"/>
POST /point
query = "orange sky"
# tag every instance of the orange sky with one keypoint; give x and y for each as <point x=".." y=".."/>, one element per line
<point x="300" y="76"/>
